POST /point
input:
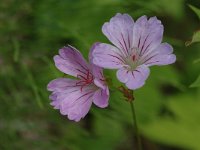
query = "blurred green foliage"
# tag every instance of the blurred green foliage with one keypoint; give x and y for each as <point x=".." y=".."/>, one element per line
<point x="195" y="38"/>
<point x="31" y="32"/>
<point x="196" y="83"/>
<point x="196" y="10"/>
<point x="196" y="35"/>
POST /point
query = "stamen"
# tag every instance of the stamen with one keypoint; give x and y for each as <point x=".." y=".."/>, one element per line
<point x="85" y="80"/>
<point x="133" y="57"/>
<point x="133" y="60"/>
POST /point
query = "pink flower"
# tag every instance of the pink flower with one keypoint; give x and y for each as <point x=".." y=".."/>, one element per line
<point x="74" y="97"/>
<point x="137" y="47"/>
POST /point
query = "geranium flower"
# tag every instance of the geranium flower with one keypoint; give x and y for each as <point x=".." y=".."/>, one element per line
<point x="74" y="97"/>
<point x="137" y="47"/>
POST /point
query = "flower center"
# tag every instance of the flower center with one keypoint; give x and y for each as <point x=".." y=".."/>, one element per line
<point x="85" y="79"/>
<point x="132" y="60"/>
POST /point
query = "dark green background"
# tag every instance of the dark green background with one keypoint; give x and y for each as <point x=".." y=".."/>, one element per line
<point x="32" y="31"/>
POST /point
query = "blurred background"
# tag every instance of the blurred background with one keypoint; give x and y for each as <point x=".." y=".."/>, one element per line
<point x="167" y="107"/>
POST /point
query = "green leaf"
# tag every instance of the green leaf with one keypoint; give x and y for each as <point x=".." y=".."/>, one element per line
<point x="196" y="10"/>
<point x="196" y="35"/>
<point x="195" y="38"/>
<point x="196" y="83"/>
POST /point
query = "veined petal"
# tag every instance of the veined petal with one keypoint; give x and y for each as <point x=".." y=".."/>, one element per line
<point x="60" y="84"/>
<point x="97" y="71"/>
<point x="72" y="100"/>
<point x="77" y="103"/>
<point x="99" y="79"/>
<point x="92" y="50"/>
<point x="101" y="98"/>
<point x="70" y="61"/>
<point x="80" y="110"/>
<point x="61" y="88"/>
<point x="122" y="75"/>
<point x="107" y="56"/>
<point x="133" y="79"/>
<point x="54" y="102"/>
<point x="162" y="55"/>
<point x="147" y="34"/>
<point x="120" y="31"/>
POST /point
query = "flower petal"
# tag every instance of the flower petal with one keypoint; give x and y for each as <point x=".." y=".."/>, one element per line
<point x="70" y="61"/>
<point x="54" y="102"/>
<point x="99" y="79"/>
<point x="101" y="98"/>
<point x="136" y="78"/>
<point x="61" y="88"/>
<point x="107" y="56"/>
<point x="97" y="71"/>
<point x="80" y="110"/>
<point x="77" y="103"/>
<point x="133" y="79"/>
<point x="122" y="75"/>
<point x="92" y="50"/>
<point x="60" y="84"/>
<point x="147" y="34"/>
<point x="120" y="31"/>
<point x="162" y="55"/>
<point x="72" y="100"/>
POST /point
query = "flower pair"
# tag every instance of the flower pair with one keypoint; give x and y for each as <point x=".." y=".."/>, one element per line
<point x="137" y="47"/>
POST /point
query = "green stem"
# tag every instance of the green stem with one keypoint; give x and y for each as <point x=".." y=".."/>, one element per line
<point x="138" y="140"/>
